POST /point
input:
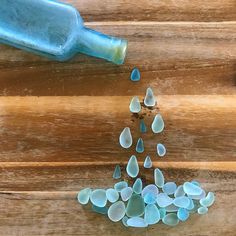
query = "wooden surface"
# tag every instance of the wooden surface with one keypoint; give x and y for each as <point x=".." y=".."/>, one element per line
<point x="60" y="122"/>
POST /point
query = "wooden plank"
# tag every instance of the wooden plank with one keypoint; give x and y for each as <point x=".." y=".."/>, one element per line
<point x="153" y="10"/>
<point x="86" y="129"/>
<point x="178" y="58"/>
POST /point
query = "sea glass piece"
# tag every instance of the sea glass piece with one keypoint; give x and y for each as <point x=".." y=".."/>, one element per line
<point x="149" y="100"/>
<point x="140" y="146"/>
<point x="117" y="172"/>
<point x="124" y="221"/>
<point x="163" y="200"/>
<point x="158" y="124"/>
<point x="183" y="214"/>
<point x="120" y="185"/>
<point x="148" y="162"/>
<point x="135" y="106"/>
<point x="142" y="126"/>
<point x="198" y="197"/>
<point x="126" y="138"/>
<point x="100" y="210"/>
<point x="172" y="208"/>
<point x="98" y="197"/>
<point x="135" y="75"/>
<point x="162" y="212"/>
<point x="149" y="198"/>
<point x="151" y="214"/>
<point x="191" y="189"/>
<point x="138" y="186"/>
<point x="116" y="211"/>
<point x="161" y="150"/>
<point x="151" y="188"/>
<point x="135" y="206"/>
<point x="170" y="219"/>
<point x="159" y="178"/>
<point x="179" y="192"/>
<point x="126" y="193"/>
<point x="132" y="168"/>
<point x="137" y="222"/>
<point x="112" y="195"/>
<point x="182" y="202"/>
<point x="208" y="200"/>
<point x="202" y="210"/>
<point x="196" y="183"/>
<point x="84" y="195"/>
<point x="191" y="205"/>
<point x="169" y="188"/>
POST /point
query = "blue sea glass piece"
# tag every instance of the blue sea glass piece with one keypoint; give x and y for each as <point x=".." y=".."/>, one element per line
<point x="140" y="146"/>
<point x="151" y="214"/>
<point x="170" y="219"/>
<point x="84" y="195"/>
<point x="132" y="168"/>
<point x="162" y="212"/>
<point x="135" y="206"/>
<point x="191" y="205"/>
<point x="149" y="198"/>
<point x="158" y="124"/>
<point x="196" y="183"/>
<point x="54" y="30"/>
<point x="163" y="200"/>
<point x="149" y="100"/>
<point x="183" y="214"/>
<point x="159" y="178"/>
<point x="198" y="197"/>
<point x="135" y="106"/>
<point x="191" y="189"/>
<point x="138" y="186"/>
<point x="202" y="210"/>
<point x="124" y="221"/>
<point x="142" y="126"/>
<point x="117" y="172"/>
<point x="148" y="162"/>
<point x="116" y="211"/>
<point x="100" y="210"/>
<point x="126" y="193"/>
<point x="126" y="138"/>
<point x="120" y="185"/>
<point x="151" y="188"/>
<point x="182" y="202"/>
<point x="169" y="188"/>
<point x="137" y="222"/>
<point x="135" y="75"/>
<point x="172" y="208"/>
<point x="112" y="195"/>
<point x="208" y="200"/>
<point x="179" y="192"/>
<point x="98" y="197"/>
<point x="161" y="150"/>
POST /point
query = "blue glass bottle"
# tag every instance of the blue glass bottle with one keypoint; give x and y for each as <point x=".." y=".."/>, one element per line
<point x="55" y="30"/>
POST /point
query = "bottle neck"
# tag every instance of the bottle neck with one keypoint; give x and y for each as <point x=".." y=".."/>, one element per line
<point x="96" y="44"/>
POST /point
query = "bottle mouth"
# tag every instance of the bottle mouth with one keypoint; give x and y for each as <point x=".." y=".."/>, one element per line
<point x="120" y="51"/>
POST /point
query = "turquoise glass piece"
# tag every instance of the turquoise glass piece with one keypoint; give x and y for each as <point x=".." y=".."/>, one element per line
<point x="140" y="146"/>
<point x="183" y="214"/>
<point x="191" y="189"/>
<point x="135" y="206"/>
<point x="149" y="198"/>
<point x="191" y="205"/>
<point x="182" y="202"/>
<point x="151" y="188"/>
<point x="170" y="219"/>
<point x="112" y="195"/>
<point x="126" y="193"/>
<point x="55" y="30"/>
<point x="158" y="124"/>
<point x="161" y="150"/>
<point x="202" y="210"/>
<point x="151" y="214"/>
<point x="124" y="221"/>
<point x="148" y="162"/>
<point x="208" y="200"/>
<point x="135" y="106"/>
<point x="135" y="75"/>
<point x="138" y="186"/>
<point x="198" y="197"/>
<point x="84" y="195"/>
<point x="142" y="126"/>
<point x="120" y="185"/>
<point x="159" y="178"/>
<point x="137" y="222"/>
<point x="116" y="211"/>
<point x="196" y="183"/>
<point x="172" y="208"/>
<point x="149" y="100"/>
<point x="169" y="188"/>
<point x="117" y="172"/>
<point x="162" y="212"/>
<point x="100" y="210"/>
<point x="126" y="138"/>
<point x="179" y="192"/>
<point x="98" y="197"/>
<point x="163" y="200"/>
<point x="132" y="168"/>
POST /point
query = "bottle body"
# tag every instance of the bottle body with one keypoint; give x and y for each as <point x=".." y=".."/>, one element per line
<point x="51" y="29"/>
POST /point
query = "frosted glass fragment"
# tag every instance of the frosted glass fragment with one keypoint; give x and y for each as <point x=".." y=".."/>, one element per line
<point x="138" y="186"/>
<point x="140" y="146"/>
<point x="149" y="100"/>
<point x="98" y="197"/>
<point x="135" y="75"/>
<point x="161" y="150"/>
<point x="112" y="195"/>
<point x="170" y="219"/>
<point x="202" y="210"/>
<point x="163" y="200"/>
<point x="84" y="195"/>
<point x="135" y="206"/>
<point x="125" y="138"/>
<point x="169" y="188"/>
<point x="182" y="202"/>
<point x="148" y="162"/>
<point x="157" y="124"/>
<point x="208" y="200"/>
<point x="191" y="189"/>
<point x="126" y="193"/>
<point x="117" y="172"/>
<point x="142" y="126"/>
<point x="198" y="197"/>
<point x="100" y="210"/>
<point x="137" y="222"/>
<point x="151" y="214"/>
<point x="116" y="211"/>
<point x="191" y="205"/>
<point x="179" y="192"/>
<point x="132" y="168"/>
<point x="124" y="221"/>
<point x="172" y="208"/>
<point x="151" y="188"/>
<point x="135" y="106"/>
<point x="159" y="178"/>
<point x="162" y="212"/>
<point x="196" y="183"/>
<point x="183" y="214"/>
<point x="149" y="198"/>
<point x="120" y="185"/>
